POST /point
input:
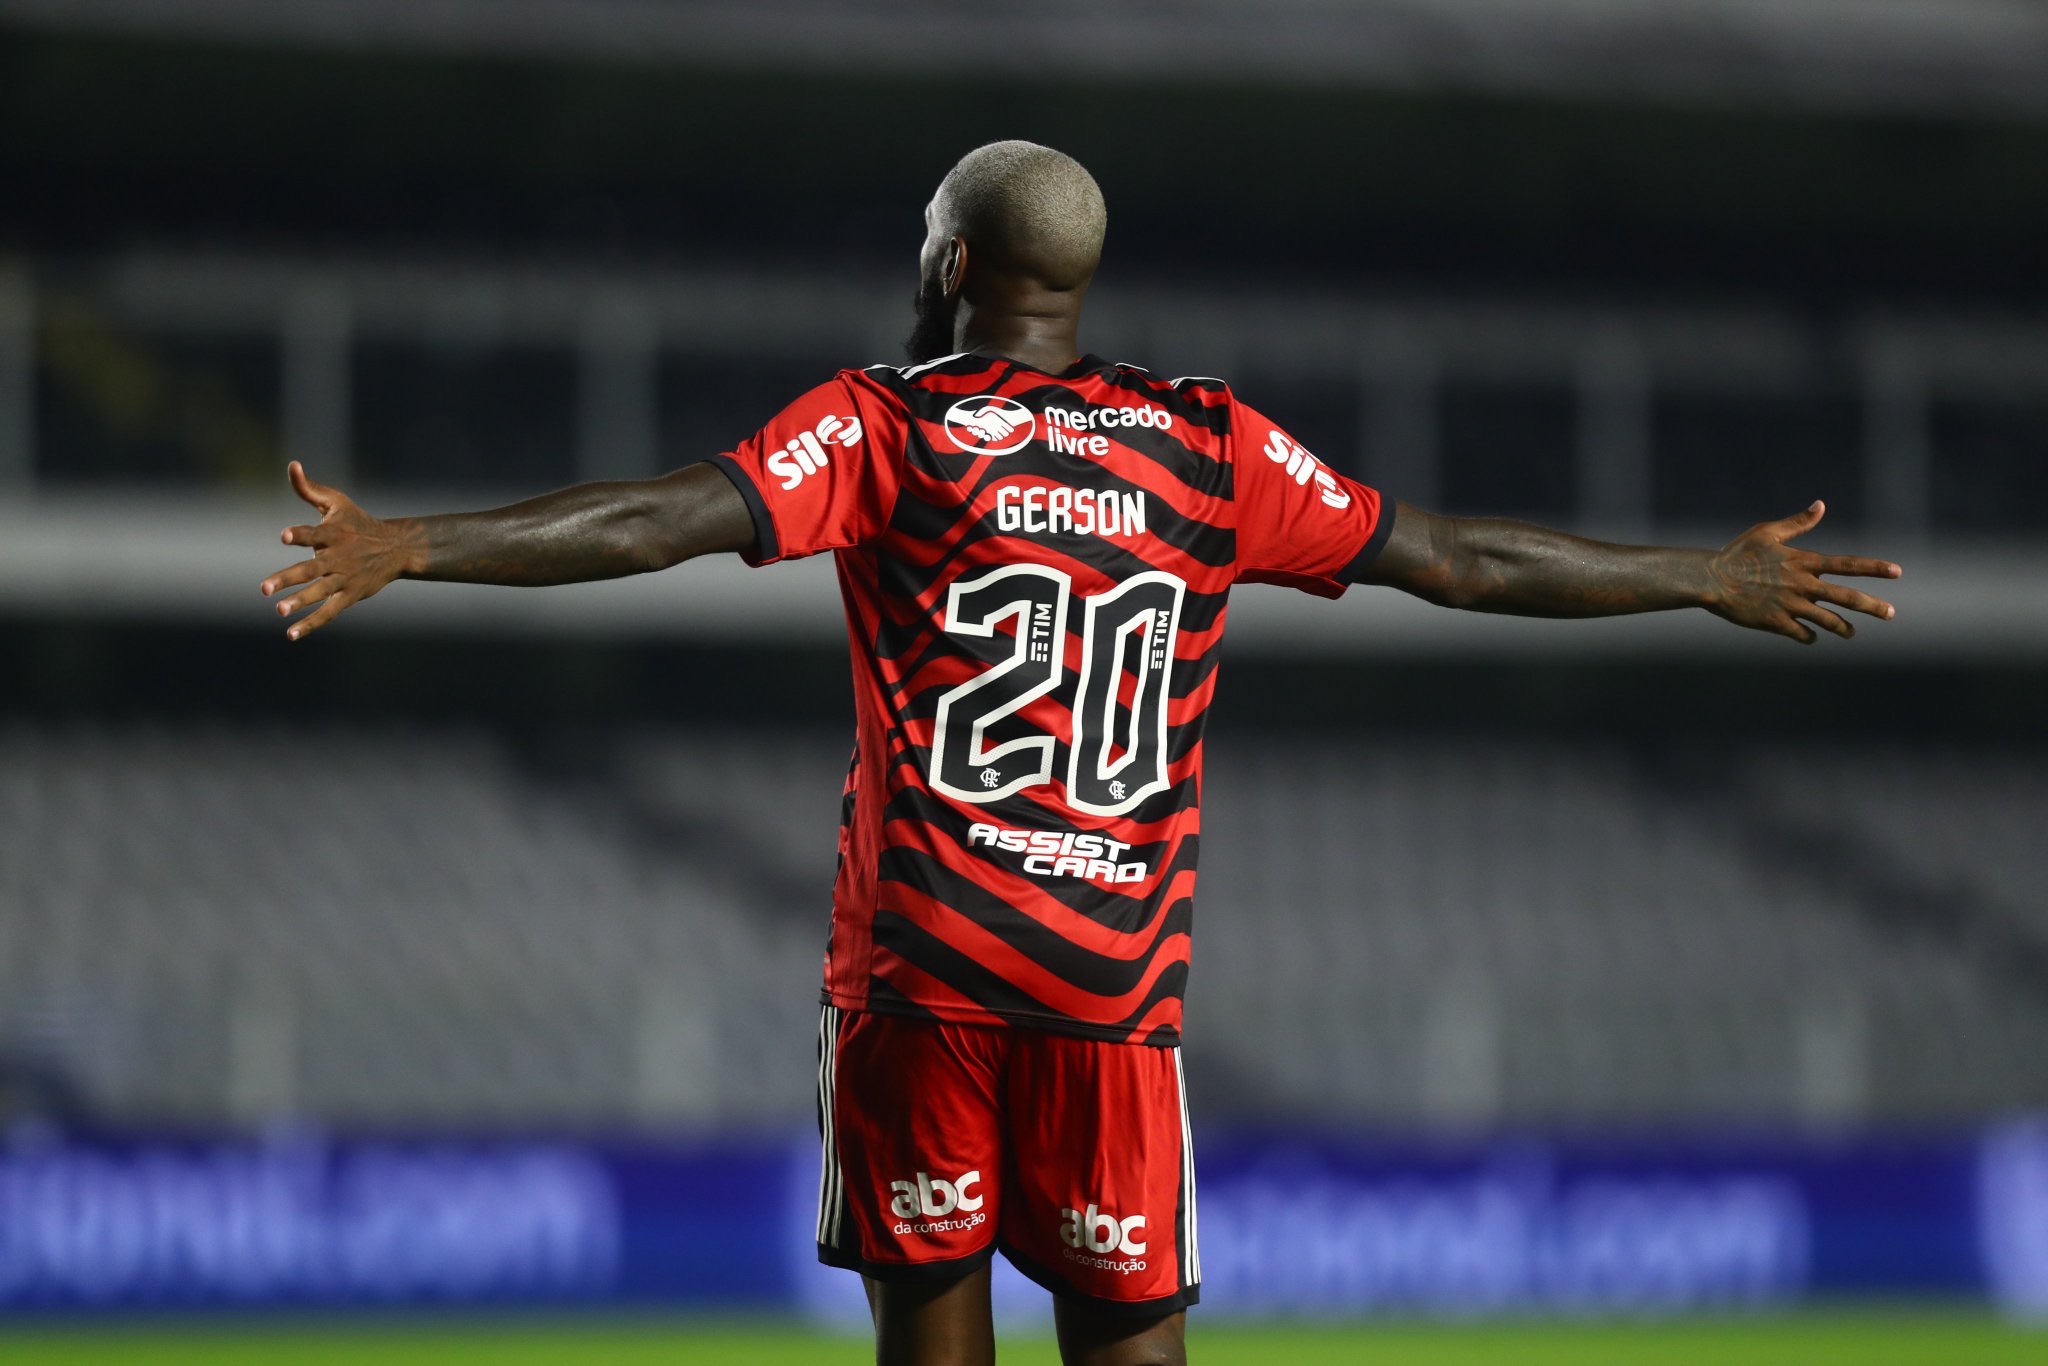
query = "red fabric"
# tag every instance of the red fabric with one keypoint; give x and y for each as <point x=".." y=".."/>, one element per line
<point x="1066" y="1153"/>
<point x="1299" y="522"/>
<point x="1008" y="540"/>
<point x="826" y="467"/>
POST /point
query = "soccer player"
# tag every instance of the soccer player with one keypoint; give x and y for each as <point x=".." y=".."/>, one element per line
<point x="1036" y="549"/>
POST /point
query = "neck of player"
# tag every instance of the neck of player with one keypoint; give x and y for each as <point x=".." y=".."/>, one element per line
<point x="1038" y="331"/>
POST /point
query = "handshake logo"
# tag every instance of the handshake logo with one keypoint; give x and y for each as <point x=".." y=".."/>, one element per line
<point x="992" y="425"/>
<point x="922" y="1206"/>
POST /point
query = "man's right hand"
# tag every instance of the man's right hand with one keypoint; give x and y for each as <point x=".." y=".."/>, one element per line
<point x="354" y="556"/>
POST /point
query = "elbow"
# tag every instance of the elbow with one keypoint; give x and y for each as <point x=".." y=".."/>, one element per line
<point x="1457" y="595"/>
<point x="1451" y="578"/>
<point x="641" y="545"/>
<point x="1451" y="583"/>
<point x="1430" y="557"/>
<point x="1470" y="577"/>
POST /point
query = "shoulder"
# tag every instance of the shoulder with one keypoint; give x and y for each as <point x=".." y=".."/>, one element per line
<point x="944" y="374"/>
<point x="1202" y="401"/>
<point x="1196" y="387"/>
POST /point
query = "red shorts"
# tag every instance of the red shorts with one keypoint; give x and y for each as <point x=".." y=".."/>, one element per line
<point x="946" y="1141"/>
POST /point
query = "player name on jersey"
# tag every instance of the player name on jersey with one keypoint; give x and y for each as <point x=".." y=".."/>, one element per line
<point x="1064" y="511"/>
<point x="1035" y="569"/>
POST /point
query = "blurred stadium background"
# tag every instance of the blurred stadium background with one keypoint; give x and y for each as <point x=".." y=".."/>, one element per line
<point x="466" y="954"/>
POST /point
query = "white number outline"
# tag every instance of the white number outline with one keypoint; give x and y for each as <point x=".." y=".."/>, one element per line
<point x="977" y="755"/>
<point x="1150" y="682"/>
<point x="1148" y="677"/>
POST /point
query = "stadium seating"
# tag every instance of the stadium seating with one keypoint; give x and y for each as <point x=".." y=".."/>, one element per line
<point x="437" y="926"/>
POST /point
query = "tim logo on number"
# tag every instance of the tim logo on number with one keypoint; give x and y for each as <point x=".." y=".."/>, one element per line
<point x="990" y="426"/>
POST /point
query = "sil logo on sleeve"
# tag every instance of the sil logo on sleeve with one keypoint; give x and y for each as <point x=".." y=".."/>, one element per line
<point x="805" y="454"/>
<point x="1302" y="467"/>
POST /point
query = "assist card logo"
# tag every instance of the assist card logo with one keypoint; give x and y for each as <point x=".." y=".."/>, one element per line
<point x="990" y="425"/>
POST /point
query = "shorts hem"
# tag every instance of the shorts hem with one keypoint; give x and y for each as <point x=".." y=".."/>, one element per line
<point x="1048" y="1279"/>
<point x="906" y="1272"/>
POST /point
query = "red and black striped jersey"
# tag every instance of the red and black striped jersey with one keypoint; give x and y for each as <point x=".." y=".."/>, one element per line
<point x="1035" y="569"/>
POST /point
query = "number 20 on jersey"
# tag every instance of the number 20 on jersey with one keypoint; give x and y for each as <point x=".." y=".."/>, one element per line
<point x="982" y="750"/>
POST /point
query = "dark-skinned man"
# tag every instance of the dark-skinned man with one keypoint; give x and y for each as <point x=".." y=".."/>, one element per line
<point x="1035" y="548"/>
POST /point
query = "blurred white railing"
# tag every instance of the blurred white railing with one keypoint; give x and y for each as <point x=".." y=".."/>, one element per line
<point x="1396" y="352"/>
<point x="104" y="547"/>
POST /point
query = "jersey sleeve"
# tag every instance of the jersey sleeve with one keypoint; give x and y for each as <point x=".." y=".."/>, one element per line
<point x="823" y="474"/>
<point x="1299" y="522"/>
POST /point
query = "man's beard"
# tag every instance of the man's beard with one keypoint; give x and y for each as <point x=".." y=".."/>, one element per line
<point x="933" y="335"/>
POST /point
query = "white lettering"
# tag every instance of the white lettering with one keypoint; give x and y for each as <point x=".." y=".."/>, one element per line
<point x="1062" y="510"/>
<point x="934" y="1198"/>
<point x="811" y="453"/>
<point x="1094" y="419"/>
<point x="1303" y="467"/>
<point x="1084" y="854"/>
<point x="1101" y="1232"/>
<point x="1107" y="513"/>
<point x="1058" y="440"/>
<point x="1512" y="1238"/>
<point x="804" y="454"/>
<point x="789" y="467"/>
<point x="296" y="1218"/>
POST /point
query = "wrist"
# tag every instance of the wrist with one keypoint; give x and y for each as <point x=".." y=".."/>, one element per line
<point x="1711" y="586"/>
<point x="409" y="534"/>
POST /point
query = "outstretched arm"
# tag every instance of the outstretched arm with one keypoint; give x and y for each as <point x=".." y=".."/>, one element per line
<point x="1759" y="580"/>
<point x="590" y="531"/>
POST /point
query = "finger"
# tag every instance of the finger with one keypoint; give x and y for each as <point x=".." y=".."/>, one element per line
<point x="1799" y="523"/>
<point x="1798" y="630"/>
<point x="319" y="495"/>
<point x="1842" y="596"/>
<point x="302" y="572"/>
<point x="317" y="537"/>
<point x="1823" y="618"/>
<point x="319" y="592"/>
<point x="329" y="610"/>
<point x="1855" y="567"/>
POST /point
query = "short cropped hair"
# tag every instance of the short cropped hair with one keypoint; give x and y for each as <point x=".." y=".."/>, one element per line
<point x="1035" y="211"/>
